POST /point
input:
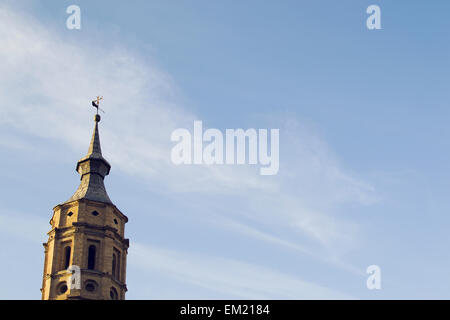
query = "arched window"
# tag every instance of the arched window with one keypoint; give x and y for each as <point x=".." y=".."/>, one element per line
<point x="118" y="267"/>
<point x="66" y="257"/>
<point x="113" y="294"/>
<point x="114" y="262"/>
<point x="91" y="257"/>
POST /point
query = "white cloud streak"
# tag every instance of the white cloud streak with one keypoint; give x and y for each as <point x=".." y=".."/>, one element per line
<point x="45" y="85"/>
<point x="231" y="278"/>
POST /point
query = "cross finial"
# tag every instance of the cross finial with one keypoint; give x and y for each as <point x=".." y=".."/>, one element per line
<point x="98" y="99"/>
<point x="96" y="102"/>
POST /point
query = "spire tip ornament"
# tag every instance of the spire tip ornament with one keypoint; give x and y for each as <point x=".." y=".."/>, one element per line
<point x="95" y="104"/>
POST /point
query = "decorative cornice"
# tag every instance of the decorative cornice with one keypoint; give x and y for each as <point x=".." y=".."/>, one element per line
<point x="87" y="228"/>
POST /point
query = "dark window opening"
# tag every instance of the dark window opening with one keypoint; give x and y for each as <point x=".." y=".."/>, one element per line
<point x="70" y="214"/>
<point x="94" y="213"/>
<point x="90" y="287"/>
<point x="113" y="294"/>
<point x="118" y="267"/>
<point x="66" y="257"/>
<point x="115" y="221"/>
<point x="63" y="289"/>
<point x="114" y="262"/>
<point x="91" y="257"/>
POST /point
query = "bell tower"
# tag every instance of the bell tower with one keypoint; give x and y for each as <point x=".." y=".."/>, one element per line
<point x="86" y="251"/>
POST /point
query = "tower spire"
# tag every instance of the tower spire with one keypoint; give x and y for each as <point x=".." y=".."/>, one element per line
<point x="93" y="168"/>
<point x="94" y="147"/>
<point x="87" y="237"/>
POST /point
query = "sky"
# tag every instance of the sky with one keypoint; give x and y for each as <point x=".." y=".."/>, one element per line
<point x="364" y="173"/>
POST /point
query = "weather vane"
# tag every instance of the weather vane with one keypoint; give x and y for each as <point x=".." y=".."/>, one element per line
<point x="96" y="102"/>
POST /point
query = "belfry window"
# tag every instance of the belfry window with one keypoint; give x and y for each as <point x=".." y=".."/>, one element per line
<point x="91" y="257"/>
<point x="66" y="257"/>
<point x="114" y="262"/>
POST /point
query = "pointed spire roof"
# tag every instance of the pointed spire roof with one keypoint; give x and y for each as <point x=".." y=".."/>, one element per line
<point x="94" y="147"/>
<point x="95" y="150"/>
<point x="92" y="168"/>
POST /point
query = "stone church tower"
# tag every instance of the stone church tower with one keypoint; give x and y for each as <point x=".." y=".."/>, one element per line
<point x="85" y="255"/>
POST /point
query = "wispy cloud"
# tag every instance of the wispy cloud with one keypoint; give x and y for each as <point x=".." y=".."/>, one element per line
<point x="46" y="82"/>
<point x="233" y="279"/>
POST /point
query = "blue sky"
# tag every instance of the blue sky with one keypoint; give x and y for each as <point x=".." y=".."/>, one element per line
<point x="364" y="155"/>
